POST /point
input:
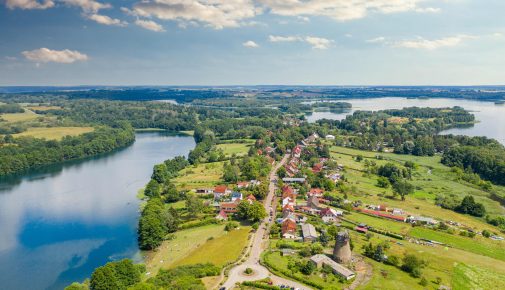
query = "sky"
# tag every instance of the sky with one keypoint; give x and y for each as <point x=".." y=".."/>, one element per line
<point x="252" y="42"/>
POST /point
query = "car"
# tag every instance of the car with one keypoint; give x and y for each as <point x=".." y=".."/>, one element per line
<point x="222" y="288"/>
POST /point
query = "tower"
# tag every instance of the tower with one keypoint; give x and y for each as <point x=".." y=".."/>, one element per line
<point x="342" y="250"/>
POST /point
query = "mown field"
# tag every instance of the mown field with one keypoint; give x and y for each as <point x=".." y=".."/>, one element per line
<point x="220" y="250"/>
<point x="183" y="244"/>
<point x="54" y="133"/>
<point x="239" y="149"/>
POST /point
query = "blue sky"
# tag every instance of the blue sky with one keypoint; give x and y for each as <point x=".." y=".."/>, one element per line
<point x="248" y="42"/>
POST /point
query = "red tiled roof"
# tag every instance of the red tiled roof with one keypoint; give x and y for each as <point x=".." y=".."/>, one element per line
<point x="316" y="191"/>
<point x="382" y="214"/>
<point x="288" y="225"/>
<point x="251" y="197"/>
<point x="221" y="189"/>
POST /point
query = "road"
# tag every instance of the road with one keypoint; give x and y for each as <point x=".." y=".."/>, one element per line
<point x="259" y="244"/>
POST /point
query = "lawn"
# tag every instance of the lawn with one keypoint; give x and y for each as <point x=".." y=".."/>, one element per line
<point x="472" y="278"/>
<point x="184" y="243"/>
<point x="202" y="175"/>
<point x="239" y="149"/>
<point x="478" y="245"/>
<point x="380" y="223"/>
<point x="20" y="117"/>
<point x="220" y="250"/>
<point x="54" y="133"/>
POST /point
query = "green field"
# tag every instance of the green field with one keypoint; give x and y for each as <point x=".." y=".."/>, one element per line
<point x="239" y="149"/>
<point x="54" y="133"/>
<point x="477" y="245"/>
<point x="472" y="278"/>
<point x="184" y="243"/>
<point x="219" y="251"/>
<point x="202" y="175"/>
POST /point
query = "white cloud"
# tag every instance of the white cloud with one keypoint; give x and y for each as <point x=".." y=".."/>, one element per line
<point x="250" y="44"/>
<point x="214" y="13"/>
<point x="422" y="43"/>
<point x="29" y="4"/>
<point x="87" y="6"/>
<point x="275" y="38"/>
<point x="106" y="20"/>
<point x="342" y="10"/>
<point x="43" y="55"/>
<point x="379" y="39"/>
<point x="150" y="25"/>
<point x="315" y="42"/>
<point x="428" y="10"/>
<point x="318" y="42"/>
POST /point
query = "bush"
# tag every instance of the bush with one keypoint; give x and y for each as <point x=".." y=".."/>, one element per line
<point x="486" y="233"/>
<point x="230" y="226"/>
<point x="413" y="265"/>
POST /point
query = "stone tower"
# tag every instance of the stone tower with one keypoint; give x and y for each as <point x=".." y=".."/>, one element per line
<point x="342" y="251"/>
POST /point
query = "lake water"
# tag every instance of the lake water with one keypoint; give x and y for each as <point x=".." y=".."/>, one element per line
<point x="491" y="117"/>
<point x="60" y="223"/>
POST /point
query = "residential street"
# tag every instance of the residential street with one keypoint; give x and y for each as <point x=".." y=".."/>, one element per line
<point x="259" y="244"/>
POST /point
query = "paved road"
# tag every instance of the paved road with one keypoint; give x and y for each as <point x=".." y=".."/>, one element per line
<point x="259" y="244"/>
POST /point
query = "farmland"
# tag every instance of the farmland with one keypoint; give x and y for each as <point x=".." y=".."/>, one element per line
<point x="54" y="133"/>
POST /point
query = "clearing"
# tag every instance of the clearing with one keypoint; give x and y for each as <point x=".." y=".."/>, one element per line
<point x="54" y="133"/>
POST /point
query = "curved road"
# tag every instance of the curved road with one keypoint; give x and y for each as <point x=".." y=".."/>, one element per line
<point x="259" y="244"/>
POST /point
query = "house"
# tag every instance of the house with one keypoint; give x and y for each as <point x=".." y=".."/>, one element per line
<point x="222" y="216"/>
<point x="320" y="260"/>
<point x="335" y="177"/>
<point x="288" y="201"/>
<point x="288" y="229"/>
<point x="330" y="215"/>
<point x="287" y="252"/>
<point x="297" y="151"/>
<point x="251" y="198"/>
<point x="205" y="191"/>
<point x="313" y="202"/>
<point x="318" y="167"/>
<point x="228" y="207"/>
<point x="236" y="196"/>
<point x="220" y="191"/>
<point x="318" y="192"/>
<point x="309" y="210"/>
<point x="294" y="179"/>
<point x="288" y="191"/>
<point x="309" y="233"/>
<point x="254" y="182"/>
<point x="287" y="210"/>
<point x="329" y="137"/>
<point x="242" y="184"/>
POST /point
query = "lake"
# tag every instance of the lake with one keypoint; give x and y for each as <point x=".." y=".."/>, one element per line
<point x="491" y="117"/>
<point x="59" y="223"/>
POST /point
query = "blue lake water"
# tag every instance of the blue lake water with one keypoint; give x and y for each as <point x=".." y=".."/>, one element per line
<point x="59" y="223"/>
<point x="490" y="117"/>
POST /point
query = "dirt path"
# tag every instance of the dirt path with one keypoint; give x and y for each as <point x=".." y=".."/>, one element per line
<point x="364" y="273"/>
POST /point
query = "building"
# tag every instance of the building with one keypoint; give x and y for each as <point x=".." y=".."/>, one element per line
<point x="287" y="210"/>
<point x="251" y="198"/>
<point x="222" y="216"/>
<point x="309" y="210"/>
<point x="342" y="250"/>
<point x="220" y="191"/>
<point x="309" y="233"/>
<point x="205" y="191"/>
<point x="316" y="191"/>
<point x="329" y="137"/>
<point x="236" y="196"/>
<point x="321" y="260"/>
<point x="288" y="228"/>
<point x="228" y="207"/>
<point x="288" y="201"/>
<point x="294" y="179"/>
<point x="242" y="184"/>
<point x="313" y="202"/>
<point x="422" y="220"/>
<point x="382" y="214"/>
<point x="330" y="215"/>
<point x="287" y="252"/>
<point x="318" y="167"/>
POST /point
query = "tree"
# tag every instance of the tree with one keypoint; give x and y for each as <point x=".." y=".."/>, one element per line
<point x="231" y="173"/>
<point x="308" y="268"/>
<point x="469" y="206"/>
<point x="403" y="188"/>
<point x="413" y="265"/>
<point x="151" y="230"/>
<point x="194" y="205"/>
<point x="104" y="278"/>
<point x="253" y="212"/>
<point x="152" y="189"/>
<point x="383" y="182"/>
<point x="281" y="172"/>
<point x="160" y="173"/>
